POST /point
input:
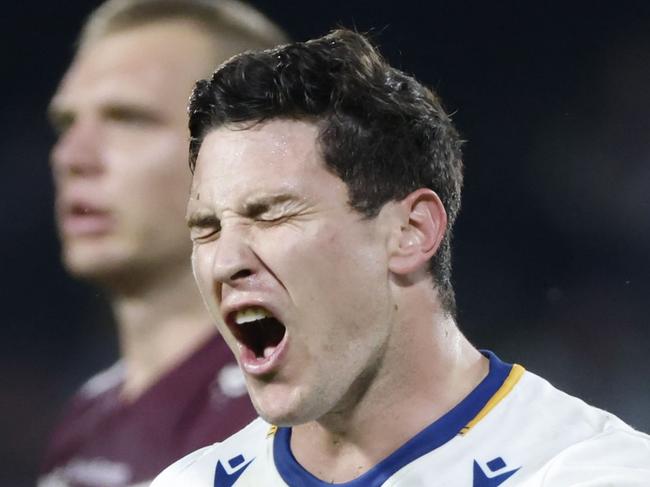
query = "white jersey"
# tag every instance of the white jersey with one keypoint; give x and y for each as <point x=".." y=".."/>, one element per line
<point x="513" y="429"/>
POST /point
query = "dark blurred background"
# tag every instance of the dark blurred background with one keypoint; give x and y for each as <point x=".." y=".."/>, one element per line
<point x="552" y="261"/>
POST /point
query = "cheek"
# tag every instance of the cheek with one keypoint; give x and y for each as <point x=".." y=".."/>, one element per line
<point x="345" y="255"/>
<point x="154" y="183"/>
<point x="324" y="266"/>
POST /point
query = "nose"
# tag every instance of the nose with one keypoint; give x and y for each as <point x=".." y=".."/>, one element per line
<point x="234" y="262"/>
<point x="77" y="151"/>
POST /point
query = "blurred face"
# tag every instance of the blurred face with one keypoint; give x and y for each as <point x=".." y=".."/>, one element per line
<point x="296" y="280"/>
<point x="120" y="162"/>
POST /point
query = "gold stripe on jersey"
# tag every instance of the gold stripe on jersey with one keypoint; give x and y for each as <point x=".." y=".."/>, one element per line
<point x="272" y="430"/>
<point x="510" y="382"/>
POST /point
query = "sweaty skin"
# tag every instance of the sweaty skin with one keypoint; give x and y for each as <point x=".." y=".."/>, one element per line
<point x="272" y="228"/>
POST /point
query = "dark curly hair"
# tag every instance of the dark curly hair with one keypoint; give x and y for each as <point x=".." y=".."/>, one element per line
<point x="381" y="131"/>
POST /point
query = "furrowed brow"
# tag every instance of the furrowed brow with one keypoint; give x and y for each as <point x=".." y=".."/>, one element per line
<point x="261" y="205"/>
<point x="203" y="220"/>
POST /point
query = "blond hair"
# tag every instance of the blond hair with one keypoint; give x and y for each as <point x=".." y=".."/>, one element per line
<point x="236" y="21"/>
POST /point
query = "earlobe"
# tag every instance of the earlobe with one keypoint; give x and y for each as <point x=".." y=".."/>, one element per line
<point x="422" y="229"/>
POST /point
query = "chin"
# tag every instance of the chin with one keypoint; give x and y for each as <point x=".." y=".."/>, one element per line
<point x="285" y="410"/>
<point x="91" y="264"/>
<point x="283" y="418"/>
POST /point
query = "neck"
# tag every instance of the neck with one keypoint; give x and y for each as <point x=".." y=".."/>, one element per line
<point x="159" y="324"/>
<point x="428" y="368"/>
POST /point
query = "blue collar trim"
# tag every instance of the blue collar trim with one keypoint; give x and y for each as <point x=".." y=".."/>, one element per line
<point x="436" y="434"/>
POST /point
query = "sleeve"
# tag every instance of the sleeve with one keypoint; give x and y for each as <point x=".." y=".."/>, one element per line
<point x="616" y="458"/>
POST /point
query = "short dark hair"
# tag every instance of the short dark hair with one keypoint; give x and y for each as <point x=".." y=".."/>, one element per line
<point x="381" y="131"/>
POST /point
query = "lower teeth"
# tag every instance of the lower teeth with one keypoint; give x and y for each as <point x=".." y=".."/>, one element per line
<point x="268" y="351"/>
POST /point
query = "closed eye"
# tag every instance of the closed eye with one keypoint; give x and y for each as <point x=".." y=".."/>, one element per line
<point x="203" y="234"/>
<point x="204" y="227"/>
<point x="272" y="219"/>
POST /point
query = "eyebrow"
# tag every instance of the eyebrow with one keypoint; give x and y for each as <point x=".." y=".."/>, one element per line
<point x="59" y="117"/>
<point x="259" y="205"/>
<point x="203" y="220"/>
<point x="130" y="109"/>
<point x="251" y="209"/>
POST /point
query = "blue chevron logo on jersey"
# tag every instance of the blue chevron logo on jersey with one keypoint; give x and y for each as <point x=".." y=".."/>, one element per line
<point x="224" y="479"/>
<point x="482" y="480"/>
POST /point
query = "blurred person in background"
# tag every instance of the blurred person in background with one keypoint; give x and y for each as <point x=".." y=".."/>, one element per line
<point x="119" y="167"/>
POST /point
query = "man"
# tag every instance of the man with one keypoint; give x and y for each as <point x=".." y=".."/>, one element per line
<point x="120" y="199"/>
<point x="325" y="187"/>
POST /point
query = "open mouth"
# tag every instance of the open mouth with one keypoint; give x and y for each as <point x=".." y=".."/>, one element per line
<point x="258" y="330"/>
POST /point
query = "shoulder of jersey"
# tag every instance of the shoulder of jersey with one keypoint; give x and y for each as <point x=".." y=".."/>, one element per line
<point x="102" y="381"/>
<point x="197" y="468"/>
<point x="589" y="443"/>
<point x="616" y="457"/>
<point x="547" y="406"/>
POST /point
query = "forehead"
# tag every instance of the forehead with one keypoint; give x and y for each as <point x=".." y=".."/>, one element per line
<point x="271" y="158"/>
<point x="144" y="63"/>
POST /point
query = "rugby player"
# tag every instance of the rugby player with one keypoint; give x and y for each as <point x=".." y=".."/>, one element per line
<point x="326" y="185"/>
<point x="121" y="185"/>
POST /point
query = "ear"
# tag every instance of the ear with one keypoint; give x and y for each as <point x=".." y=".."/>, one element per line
<point x="423" y="225"/>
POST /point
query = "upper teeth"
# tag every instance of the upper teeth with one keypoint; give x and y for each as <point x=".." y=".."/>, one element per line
<point x="251" y="314"/>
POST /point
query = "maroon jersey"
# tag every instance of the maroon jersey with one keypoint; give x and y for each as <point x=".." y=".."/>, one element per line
<point x="103" y="441"/>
